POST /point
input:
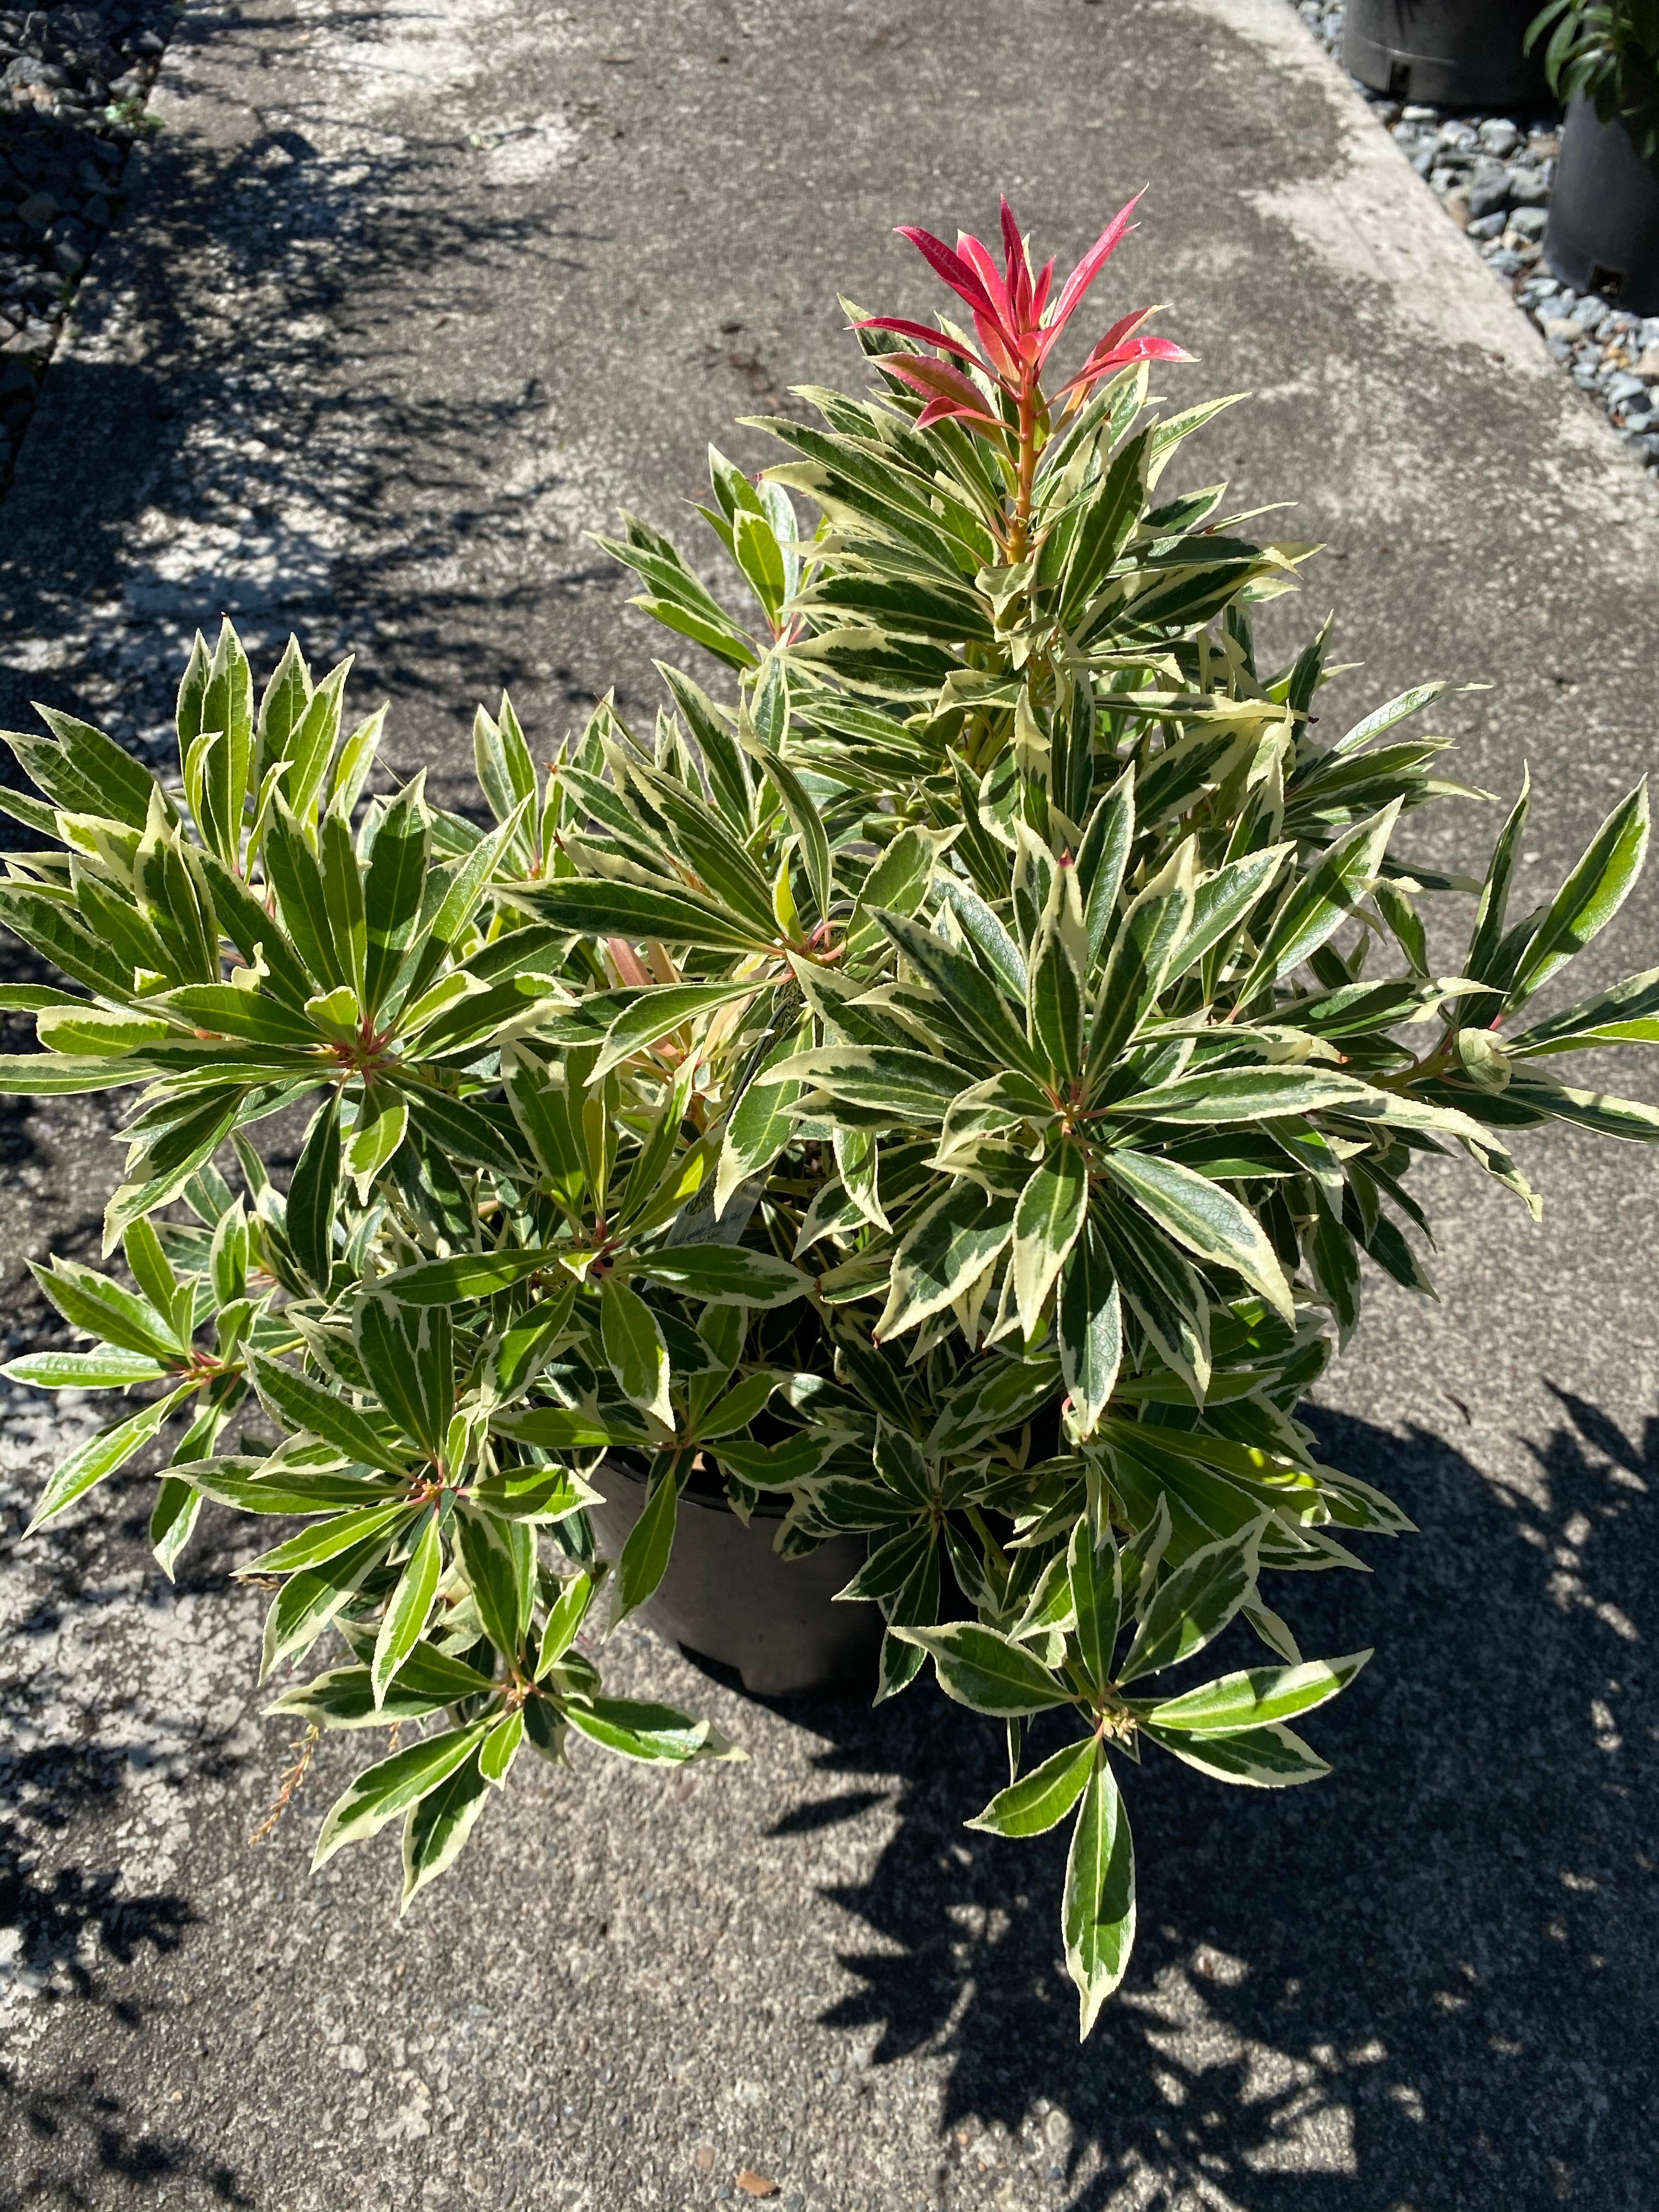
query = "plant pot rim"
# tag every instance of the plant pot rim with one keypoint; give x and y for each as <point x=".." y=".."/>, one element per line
<point x="770" y="1505"/>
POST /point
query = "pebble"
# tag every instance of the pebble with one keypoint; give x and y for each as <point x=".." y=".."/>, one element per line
<point x="1495" y="180"/>
<point x="73" y="81"/>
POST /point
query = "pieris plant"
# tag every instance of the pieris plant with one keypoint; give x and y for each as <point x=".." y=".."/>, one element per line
<point x="952" y="1070"/>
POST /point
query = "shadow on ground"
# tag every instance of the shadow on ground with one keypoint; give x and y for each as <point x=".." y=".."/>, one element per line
<point x="71" y="1926"/>
<point x="274" y="414"/>
<point x="1424" y="1982"/>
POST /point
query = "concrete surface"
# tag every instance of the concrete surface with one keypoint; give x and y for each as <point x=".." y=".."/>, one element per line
<point x="414" y="293"/>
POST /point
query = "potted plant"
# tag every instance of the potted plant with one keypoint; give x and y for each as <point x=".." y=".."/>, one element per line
<point x="1445" y="53"/>
<point x="1602" y="235"/>
<point x="933" y="1102"/>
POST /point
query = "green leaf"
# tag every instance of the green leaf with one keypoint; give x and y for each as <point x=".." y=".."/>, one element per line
<point x="173" y="1521"/>
<point x="327" y="1540"/>
<point x="313" y="1194"/>
<point x="910" y="1085"/>
<point x="557" y="1428"/>
<point x="343" y="899"/>
<point x="1493" y="910"/>
<point x="392" y="890"/>
<point x="970" y="994"/>
<point x="1088" y="1327"/>
<point x="109" y="1367"/>
<point x="1206" y="1219"/>
<point x="1255" y="1696"/>
<point x="1246" y="1094"/>
<point x="471" y="1138"/>
<point x="303" y="1404"/>
<point x="88" y="771"/>
<point x="500" y="1748"/>
<point x="1057" y="989"/>
<point x="500" y="1559"/>
<point x="1626" y="1014"/>
<point x="1041" y="1800"/>
<point x="723" y="759"/>
<point x="981" y="1667"/>
<point x="1609" y="1117"/>
<point x="282" y="706"/>
<point x="537" y="1496"/>
<point x="381" y="1792"/>
<point x="805" y="819"/>
<point x="778" y="1466"/>
<point x="1098" y="1913"/>
<point x="598" y="908"/>
<point x="499" y="757"/>
<point x="1142" y="955"/>
<point x="49" y="1074"/>
<point x="1385" y="718"/>
<point x="761" y="1123"/>
<point x="1048" y="1221"/>
<point x="1095" y="1575"/>
<point x="645" y="1555"/>
<point x="409" y="1607"/>
<point x="408" y="1355"/>
<point x="440" y="1823"/>
<point x="381" y="1126"/>
<point x="722" y="1274"/>
<point x="99" y="1031"/>
<point x="1270" y="1758"/>
<point x="1223" y="901"/>
<point x="1318" y="904"/>
<point x="343" y="1697"/>
<point x="101" y="1455"/>
<point x="634" y="1348"/>
<point x="651" y="1015"/>
<point x="1192" y="1605"/>
<point x="890" y="1566"/>
<point x="564" y="1620"/>
<point x="641" y="1730"/>
<point x="1590" y="896"/>
<point x="301" y="899"/>
<point x="468" y="1275"/>
<point x="948" y="1248"/>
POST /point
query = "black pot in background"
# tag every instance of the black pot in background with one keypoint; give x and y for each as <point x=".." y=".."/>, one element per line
<point x="728" y="1595"/>
<point x="1603" y="229"/>
<point x="1447" y="53"/>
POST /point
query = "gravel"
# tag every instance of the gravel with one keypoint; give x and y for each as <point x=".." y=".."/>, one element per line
<point x="1494" y="173"/>
<point x="73" y="82"/>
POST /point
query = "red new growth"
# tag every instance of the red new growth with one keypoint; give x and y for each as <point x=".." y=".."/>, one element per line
<point x="1017" y="326"/>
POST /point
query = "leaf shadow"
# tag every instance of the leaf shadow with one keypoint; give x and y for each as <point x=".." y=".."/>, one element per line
<point x="1424" y="1981"/>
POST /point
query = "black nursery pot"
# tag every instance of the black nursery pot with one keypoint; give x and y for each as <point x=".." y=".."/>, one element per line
<point x="1447" y="53"/>
<point x="728" y="1595"/>
<point x="1603" y="229"/>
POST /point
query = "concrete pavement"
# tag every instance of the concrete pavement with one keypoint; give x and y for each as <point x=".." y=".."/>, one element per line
<point x="412" y="295"/>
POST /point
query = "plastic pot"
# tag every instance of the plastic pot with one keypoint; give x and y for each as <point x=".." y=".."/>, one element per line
<point x="1447" y="53"/>
<point x="1603" y="229"/>
<point x="727" y="1597"/>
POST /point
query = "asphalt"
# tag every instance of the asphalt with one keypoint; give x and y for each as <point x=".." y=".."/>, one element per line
<point x="410" y="295"/>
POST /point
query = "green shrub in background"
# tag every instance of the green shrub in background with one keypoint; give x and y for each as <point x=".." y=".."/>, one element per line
<point x="951" y="1081"/>
<point x="1606" y="52"/>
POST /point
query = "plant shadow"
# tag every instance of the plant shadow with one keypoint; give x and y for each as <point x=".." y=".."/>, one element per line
<point x="1425" y="1981"/>
<point x="272" y="413"/>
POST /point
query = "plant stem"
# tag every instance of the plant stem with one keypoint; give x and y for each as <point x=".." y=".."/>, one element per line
<point x="1020" y="536"/>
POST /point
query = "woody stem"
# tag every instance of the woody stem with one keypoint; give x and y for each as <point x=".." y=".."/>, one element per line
<point x="1020" y="536"/>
